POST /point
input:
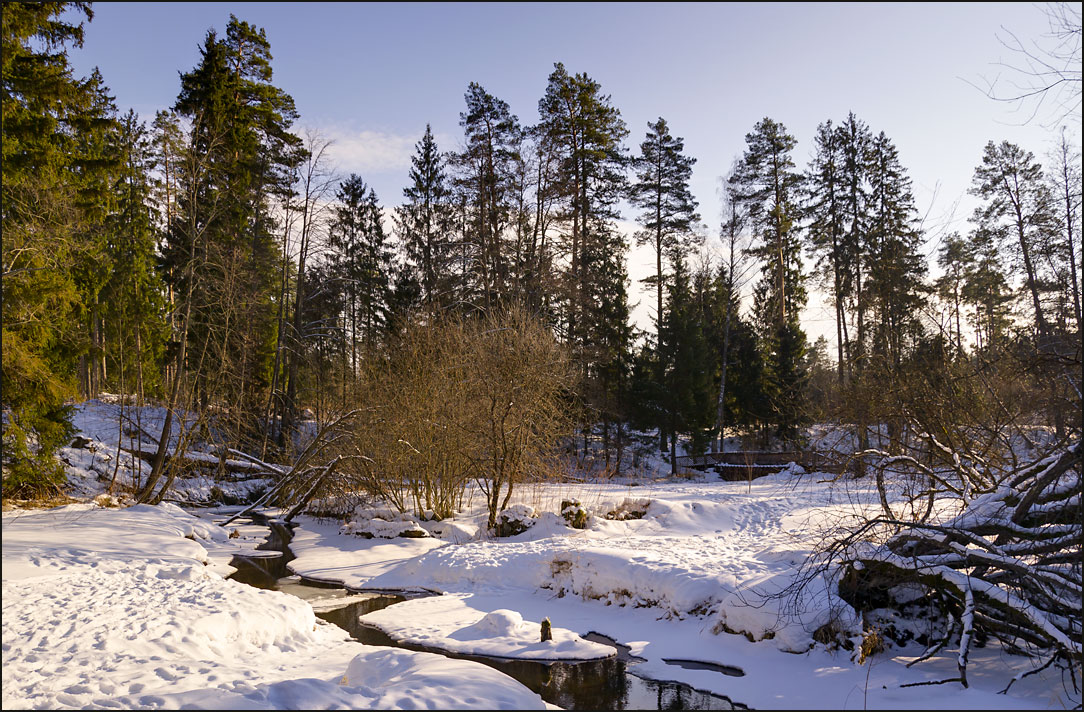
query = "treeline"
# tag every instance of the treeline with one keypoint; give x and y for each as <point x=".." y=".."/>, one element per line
<point x="213" y="261"/>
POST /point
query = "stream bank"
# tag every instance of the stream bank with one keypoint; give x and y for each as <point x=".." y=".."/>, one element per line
<point x="605" y="684"/>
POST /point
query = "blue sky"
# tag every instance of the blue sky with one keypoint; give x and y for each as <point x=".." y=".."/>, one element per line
<point x="371" y="75"/>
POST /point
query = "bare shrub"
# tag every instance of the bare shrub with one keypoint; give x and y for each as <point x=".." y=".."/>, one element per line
<point x="469" y="398"/>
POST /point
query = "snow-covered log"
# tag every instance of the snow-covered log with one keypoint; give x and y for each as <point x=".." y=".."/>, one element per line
<point x="1007" y="567"/>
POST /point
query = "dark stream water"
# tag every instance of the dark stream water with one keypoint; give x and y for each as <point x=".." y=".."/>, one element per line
<point x="595" y="684"/>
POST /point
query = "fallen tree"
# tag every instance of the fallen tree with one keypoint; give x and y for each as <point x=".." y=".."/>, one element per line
<point x="1007" y="567"/>
<point x="298" y="483"/>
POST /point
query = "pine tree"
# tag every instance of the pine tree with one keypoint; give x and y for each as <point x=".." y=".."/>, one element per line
<point x="423" y="224"/>
<point x="987" y="291"/>
<point x="767" y="186"/>
<point x="584" y="132"/>
<point x="484" y="176"/>
<point x="1018" y="203"/>
<point x="662" y="191"/>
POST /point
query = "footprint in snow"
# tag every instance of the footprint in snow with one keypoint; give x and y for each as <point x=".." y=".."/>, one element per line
<point x="165" y="674"/>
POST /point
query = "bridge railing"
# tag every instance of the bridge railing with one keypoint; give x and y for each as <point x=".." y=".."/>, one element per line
<point x="810" y="460"/>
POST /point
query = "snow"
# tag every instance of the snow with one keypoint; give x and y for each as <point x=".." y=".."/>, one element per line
<point x="450" y="623"/>
<point x="115" y="608"/>
<point x="128" y="607"/>
<point x="685" y="581"/>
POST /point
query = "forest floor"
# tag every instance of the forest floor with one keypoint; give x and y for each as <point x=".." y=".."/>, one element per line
<point x="128" y="607"/>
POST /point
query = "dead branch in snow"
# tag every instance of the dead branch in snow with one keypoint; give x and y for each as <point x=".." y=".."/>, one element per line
<point x="1007" y="567"/>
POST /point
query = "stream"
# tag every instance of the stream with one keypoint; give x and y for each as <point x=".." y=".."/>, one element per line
<point x="594" y="684"/>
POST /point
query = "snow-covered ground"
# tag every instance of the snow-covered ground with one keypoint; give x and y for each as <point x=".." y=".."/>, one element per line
<point x="115" y="608"/>
<point x="684" y="582"/>
<point x="129" y="608"/>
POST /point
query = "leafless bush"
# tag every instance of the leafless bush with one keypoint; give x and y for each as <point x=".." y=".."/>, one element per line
<point x="470" y="398"/>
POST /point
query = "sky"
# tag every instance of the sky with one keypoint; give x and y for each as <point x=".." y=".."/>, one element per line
<point x="371" y="75"/>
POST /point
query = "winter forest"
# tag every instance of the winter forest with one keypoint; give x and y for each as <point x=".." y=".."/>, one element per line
<point x="211" y="336"/>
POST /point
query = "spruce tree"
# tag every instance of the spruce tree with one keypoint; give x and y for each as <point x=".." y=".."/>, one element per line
<point x="687" y="366"/>
<point x="897" y="269"/>
<point x="361" y="258"/>
<point x="423" y="224"/>
<point x="825" y="210"/>
<point x="240" y="126"/>
<point x="767" y="185"/>
<point x="132" y="298"/>
<point x="45" y="220"/>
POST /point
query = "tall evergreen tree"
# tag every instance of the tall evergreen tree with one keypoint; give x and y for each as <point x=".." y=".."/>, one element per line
<point x="1018" y="205"/>
<point x="132" y="299"/>
<point x="767" y="184"/>
<point x="362" y="259"/>
<point x="662" y="191"/>
<point x="856" y="141"/>
<point x="492" y="134"/>
<point x="825" y="210"/>
<point x="687" y="365"/>
<point x="46" y="216"/>
<point x="896" y="267"/>
<point x="240" y="122"/>
<point x="423" y="223"/>
<point x="585" y="131"/>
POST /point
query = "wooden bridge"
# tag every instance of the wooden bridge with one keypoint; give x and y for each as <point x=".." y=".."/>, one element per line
<point x="749" y="464"/>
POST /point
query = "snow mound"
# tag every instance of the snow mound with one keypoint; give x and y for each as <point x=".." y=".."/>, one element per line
<point x="451" y="623"/>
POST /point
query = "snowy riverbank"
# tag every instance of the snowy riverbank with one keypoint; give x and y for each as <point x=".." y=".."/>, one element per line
<point x="129" y="607"/>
